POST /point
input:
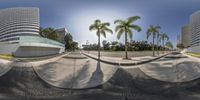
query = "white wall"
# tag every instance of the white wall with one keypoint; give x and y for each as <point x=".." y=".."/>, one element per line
<point x="195" y="49"/>
<point x="8" y="48"/>
<point x="29" y="51"/>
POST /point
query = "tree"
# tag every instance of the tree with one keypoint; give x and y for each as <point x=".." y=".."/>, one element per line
<point x="152" y="30"/>
<point x="106" y="45"/>
<point x="74" y="45"/>
<point x="126" y="27"/>
<point x="180" y="46"/>
<point x="158" y="35"/>
<point x="101" y="29"/>
<point x="49" y="33"/>
<point x="163" y="38"/>
<point x="169" y="45"/>
<point x="68" y="41"/>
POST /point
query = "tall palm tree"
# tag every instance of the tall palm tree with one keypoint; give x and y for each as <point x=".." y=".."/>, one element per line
<point x="126" y="26"/>
<point x="158" y="36"/>
<point x="101" y="29"/>
<point x="169" y="45"/>
<point x="164" y="37"/>
<point x="152" y="30"/>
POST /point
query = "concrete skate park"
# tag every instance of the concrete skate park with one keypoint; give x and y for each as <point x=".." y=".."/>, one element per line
<point x="74" y="75"/>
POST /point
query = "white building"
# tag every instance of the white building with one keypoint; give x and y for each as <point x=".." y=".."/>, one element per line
<point x="62" y="32"/>
<point x="195" y="32"/>
<point x="19" y="34"/>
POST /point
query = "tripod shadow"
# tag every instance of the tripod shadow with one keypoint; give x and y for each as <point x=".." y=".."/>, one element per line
<point x="97" y="76"/>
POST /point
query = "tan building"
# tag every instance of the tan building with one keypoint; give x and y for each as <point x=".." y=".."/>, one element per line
<point x="185" y="36"/>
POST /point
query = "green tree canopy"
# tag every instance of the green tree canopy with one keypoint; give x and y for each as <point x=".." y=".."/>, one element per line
<point x="180" y="46"/>
<point x="68" y="41"/>
<point x="49" y="33"/>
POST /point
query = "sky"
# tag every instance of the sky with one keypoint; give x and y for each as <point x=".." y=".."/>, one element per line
<point x="78" y="15"/>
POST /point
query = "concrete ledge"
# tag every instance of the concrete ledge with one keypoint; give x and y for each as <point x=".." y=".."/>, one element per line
<point x="124" y="63"/>
<point x="198" y="59"/>
<point x="37" y="63"/>
<point x="84" y="74"/>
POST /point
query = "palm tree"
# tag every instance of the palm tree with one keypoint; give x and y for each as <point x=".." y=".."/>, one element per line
<point x="126" y="26"/>
<point x="164" y="37"/>
<point x="101" y="29"/>
<point x="169" y="45"/>
<point x="158" y="36"/>
<point x="152" y="30"/>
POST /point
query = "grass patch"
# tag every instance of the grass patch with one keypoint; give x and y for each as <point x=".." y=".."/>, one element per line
<point x="193" y="54"/>
<point x="6" y="56"/>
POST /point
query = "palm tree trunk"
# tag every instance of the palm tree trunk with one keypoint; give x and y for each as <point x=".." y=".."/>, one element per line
<point x="157" y="46"/>
<point x="126" y="47"/>
<point x="99" y="46"/>
<point x="153" y="46"/>
<point x="164" y="46"/>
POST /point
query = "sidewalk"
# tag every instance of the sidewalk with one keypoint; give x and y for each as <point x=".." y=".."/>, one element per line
<point x="198" y="59"/>
<point x="33" y="62"/>
<point x="5" y="66"/>
<point x="120" y="61"/>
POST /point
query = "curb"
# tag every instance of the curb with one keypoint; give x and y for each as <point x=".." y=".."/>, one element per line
<point x="37" y="63"/>
<point x="198" y="59"/>
<point x="124" y="64"/>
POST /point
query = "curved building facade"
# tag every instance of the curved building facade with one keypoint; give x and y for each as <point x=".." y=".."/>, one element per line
<point x="195" y="32"/>
<point x="19" y="34"/>
<point x="15" y="22"/>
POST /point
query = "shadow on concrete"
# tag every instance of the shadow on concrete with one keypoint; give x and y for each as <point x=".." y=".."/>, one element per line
<point x="97" y="76"/>
<point x="23" y="83"/>
<point x="131" y="84"/>
<point x="135" y="84"/>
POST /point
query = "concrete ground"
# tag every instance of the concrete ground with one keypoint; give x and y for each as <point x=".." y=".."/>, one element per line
<point x="5" y="66"/>
<point x="75" y="73"/>
<point x="173" y="68"/>
<point x="121" y="54"/>
<point x="24" y="83"/>
<point x="132" y="61"/>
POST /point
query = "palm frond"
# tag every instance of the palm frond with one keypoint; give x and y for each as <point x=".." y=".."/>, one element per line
<point x="130" y="33"/>
<point x="132" y="19"/>
<point x="92" y="27"/>
<point x="167" y="37"/>
<point x="118" y="27"/>
<point x="119" y="33"/>
<point x="108" y="30"/>
<point x="103" y="33"/>
<point x="105" y="24"/>
<point x="160" y="37"/>
<point x="148" y="33"/>
<point x="157" y="27"/>
<point x="121" y="22"/>
<point x="97" y="21"/>
<point x="135" y="27"/>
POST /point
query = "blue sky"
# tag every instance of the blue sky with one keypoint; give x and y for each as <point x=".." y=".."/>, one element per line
<point x="77" y="15"/>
